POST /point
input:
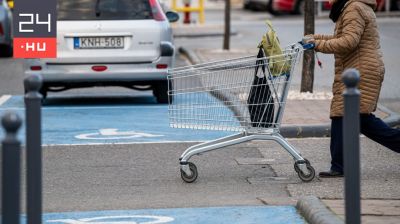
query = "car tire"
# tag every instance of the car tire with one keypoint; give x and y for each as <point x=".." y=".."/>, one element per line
<point x="160" y="91"/>
<point x="43" y="91"/>
<point x="299" y="7"/>
<point x="395" y="5"/>
<point x="6" y="51"/>
<point x="271" y="10"/>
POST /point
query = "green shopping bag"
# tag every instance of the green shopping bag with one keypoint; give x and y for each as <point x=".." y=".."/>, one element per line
<point x="277" y="62"/>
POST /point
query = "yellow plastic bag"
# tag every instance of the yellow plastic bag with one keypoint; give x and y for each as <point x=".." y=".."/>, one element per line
<point x="277" y="62"/>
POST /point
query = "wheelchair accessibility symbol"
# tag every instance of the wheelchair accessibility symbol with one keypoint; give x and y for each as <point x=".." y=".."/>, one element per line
<point x="126" y="219"/>
<point x="112" y="134"/>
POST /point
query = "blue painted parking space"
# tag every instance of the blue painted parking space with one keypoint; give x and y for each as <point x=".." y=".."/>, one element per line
<point x="142" y="121"/>
<point x="217" y="215"/>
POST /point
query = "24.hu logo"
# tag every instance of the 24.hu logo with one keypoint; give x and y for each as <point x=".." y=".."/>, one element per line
<point x="35" y="26"/>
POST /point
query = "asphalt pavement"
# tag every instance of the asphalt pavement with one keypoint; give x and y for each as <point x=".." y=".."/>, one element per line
<point x="136" y="180"/>
<point x="376" y="166"/>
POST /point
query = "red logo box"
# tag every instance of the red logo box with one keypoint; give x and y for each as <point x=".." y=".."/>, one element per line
<point x="35" y="47"/>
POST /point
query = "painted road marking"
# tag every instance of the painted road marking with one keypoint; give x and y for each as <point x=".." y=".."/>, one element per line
<point x="4" y="99"/>
<point x="113" y="133"/>
<point x="146" y="122"/>
<point x="212" y="215"/>
<point x="150" y="219"/>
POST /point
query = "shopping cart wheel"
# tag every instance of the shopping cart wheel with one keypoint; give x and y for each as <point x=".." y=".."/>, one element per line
<point x="190" y="178"/>
<point x="304" y="177"/>
<point x="296" y="165"/>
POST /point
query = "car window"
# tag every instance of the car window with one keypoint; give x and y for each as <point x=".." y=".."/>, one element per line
<point x="103" y="9"/>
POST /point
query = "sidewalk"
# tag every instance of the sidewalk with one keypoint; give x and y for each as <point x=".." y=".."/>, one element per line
<point x="199" y="30"/>
<point x="307" y="115"/>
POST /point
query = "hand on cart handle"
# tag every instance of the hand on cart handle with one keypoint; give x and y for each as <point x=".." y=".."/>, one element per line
<point x="308" y="42"/>
<point x="308" y="46"/>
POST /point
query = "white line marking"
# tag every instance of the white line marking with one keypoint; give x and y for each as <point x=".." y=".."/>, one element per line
<point x="113" y="134"/>
<point x="91" y="108"/>
<point x="124" y="143"/>
<point x="4" y="99"/>
<point x="103" y="107"/>
<point x="146" y="219"/>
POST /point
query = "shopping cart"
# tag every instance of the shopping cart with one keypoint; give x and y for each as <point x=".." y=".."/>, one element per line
<point x="245" y="95"/>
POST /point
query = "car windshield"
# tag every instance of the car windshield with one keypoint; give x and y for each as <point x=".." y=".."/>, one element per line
<point x="106" y="9"/>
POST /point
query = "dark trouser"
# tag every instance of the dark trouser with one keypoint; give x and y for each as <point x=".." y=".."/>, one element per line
<point x="372" y="127"/>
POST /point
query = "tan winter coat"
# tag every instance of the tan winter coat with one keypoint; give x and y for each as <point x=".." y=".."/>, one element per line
<point x="355" y="44"/>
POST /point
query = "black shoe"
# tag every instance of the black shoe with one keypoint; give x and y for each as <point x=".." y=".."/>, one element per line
<point x="330" y="174"/>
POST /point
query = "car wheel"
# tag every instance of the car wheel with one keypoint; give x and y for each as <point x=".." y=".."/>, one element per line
<point x="6" y="51"/>
<point x="270" y="9"/>
<point x="300" y="7"/>
<point x="395" y="5"/>
<point x="43" y="91"/>
<point x="160" y="91"/>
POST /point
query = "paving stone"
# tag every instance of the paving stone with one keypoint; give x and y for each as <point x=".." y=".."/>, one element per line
<point x="368" y="207"/>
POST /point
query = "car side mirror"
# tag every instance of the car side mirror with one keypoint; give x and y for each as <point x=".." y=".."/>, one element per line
<point x="172" y="16"/>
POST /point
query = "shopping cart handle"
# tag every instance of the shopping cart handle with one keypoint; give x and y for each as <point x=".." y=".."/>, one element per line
<point x="308" y="46"/>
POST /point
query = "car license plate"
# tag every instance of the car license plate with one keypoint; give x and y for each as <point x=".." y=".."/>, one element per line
<point x="98" y="42"/>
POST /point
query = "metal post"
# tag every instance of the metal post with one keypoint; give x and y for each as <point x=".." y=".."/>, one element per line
<point x="227" y="30"/>
<point x="307" y="78"/>
<point x="186" y="18"/>
<point x="201" y="12"/>
<point x="11" y="170"/>
<point x="351" y="145"/>
<point x="33" y="149"/>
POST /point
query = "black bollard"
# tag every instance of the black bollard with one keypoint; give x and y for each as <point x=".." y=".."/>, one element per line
<point x="33" y="101"/>
<point x="351" y="146"/>
<point x="11" y="170"/>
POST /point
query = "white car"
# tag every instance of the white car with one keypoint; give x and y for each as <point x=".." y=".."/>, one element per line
<point x="6" y="42"/>
<point x="124" y="43"/>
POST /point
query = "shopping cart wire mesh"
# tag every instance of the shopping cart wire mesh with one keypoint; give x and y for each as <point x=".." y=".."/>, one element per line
<point x="233" y="95"/>
<point x="245" y="95"/>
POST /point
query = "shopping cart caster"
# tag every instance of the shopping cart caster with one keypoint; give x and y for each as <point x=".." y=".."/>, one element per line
<point x="304" y="169"/>
<point x="189" y="172"/>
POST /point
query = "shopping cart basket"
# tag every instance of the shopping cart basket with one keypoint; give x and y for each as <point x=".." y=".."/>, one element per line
<point x="240" y="95"/>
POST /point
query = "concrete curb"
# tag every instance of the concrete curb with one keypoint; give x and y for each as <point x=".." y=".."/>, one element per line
<point x="302" y="131"/>
<point x="190" y="54"/>
<point x="393" y="119"/>
<point x="198" y="35"/>
<point x="188" y="34"/>
<point x="306" y="131"/>
<point x="315" y="211"/>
